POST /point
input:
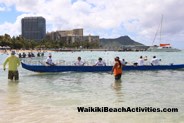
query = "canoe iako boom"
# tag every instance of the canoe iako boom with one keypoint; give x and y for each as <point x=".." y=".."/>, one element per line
<point x="43" y="68"/>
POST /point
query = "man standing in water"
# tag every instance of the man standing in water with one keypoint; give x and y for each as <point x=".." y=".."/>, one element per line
<point x="13" y="63"/>
<point x="117" y="69"/>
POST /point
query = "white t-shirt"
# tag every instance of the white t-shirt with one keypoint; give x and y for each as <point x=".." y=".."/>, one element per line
<point x="140" y="62"/>
<point x="100" y="63"/>
<point x="49" y="60"/>
<point x="123" y="62"/>
<point x="79" y="63"/>
<point x="155" y="61"/>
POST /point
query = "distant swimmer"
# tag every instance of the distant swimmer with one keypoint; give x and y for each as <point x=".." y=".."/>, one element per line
<point x="79" y="62"/>
<point x="24" y="55"/>
<point x="42" y="54"/>
<point x="13" y="63"/>
<point x="38" y="54"/>
<point x="100" y="62"/>
<point x="117" y="69"/>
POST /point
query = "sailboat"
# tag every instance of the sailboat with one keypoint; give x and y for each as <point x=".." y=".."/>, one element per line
<point x="162" y="47"/>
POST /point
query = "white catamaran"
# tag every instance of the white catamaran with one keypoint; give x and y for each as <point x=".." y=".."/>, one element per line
<point x="162" y="47"/>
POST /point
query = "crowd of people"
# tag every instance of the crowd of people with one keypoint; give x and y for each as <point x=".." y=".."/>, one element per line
<point x="13" y="63"/>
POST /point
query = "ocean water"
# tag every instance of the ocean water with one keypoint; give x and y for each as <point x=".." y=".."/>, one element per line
<point x="54" y="97"/>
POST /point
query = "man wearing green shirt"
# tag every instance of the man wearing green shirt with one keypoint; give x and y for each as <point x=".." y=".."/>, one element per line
<point x="13" y="63"/>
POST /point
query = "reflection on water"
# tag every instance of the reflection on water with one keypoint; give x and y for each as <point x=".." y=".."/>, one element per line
<point x="10" y="107"/>
<point x="13" y="95"/>
<point x="117" y="86"/>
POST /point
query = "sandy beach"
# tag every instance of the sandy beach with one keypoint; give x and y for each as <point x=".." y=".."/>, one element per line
<point x="23" y="51"/>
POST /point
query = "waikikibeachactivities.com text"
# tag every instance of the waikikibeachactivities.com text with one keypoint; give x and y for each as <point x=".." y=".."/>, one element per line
<point x="125" y="109"/>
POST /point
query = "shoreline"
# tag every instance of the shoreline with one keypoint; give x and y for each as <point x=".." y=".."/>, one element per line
<point x="66" y="50"/>
<point x="75" y="50"/>
<point x="59" y="50"/>
<point x="23" y="51"/>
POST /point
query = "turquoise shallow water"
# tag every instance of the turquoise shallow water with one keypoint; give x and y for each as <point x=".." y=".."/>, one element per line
<point x="54" y="97"/>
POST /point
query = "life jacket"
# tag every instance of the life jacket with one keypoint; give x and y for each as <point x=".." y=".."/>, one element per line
<point x="117" y="69"/>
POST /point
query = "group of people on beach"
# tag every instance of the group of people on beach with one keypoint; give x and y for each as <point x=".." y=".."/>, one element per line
<point x="13" y="63"/>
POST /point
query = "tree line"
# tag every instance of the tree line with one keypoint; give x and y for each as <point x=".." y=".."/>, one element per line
<point x="18" y="42"/>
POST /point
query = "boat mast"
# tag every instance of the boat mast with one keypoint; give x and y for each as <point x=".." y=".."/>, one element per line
<point x="155" y="35"/>
<point x="161" y="29"/>
<point x="157" y="31"/>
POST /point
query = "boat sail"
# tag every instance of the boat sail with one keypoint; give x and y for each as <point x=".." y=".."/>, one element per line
<point x="162" y="47"/>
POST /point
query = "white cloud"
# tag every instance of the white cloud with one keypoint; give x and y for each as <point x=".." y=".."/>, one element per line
<point x="138" y="17"/>
<point x="2" y="9"/>
<point x="9" y="28"/>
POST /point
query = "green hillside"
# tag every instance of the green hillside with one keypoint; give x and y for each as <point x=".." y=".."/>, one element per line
<point x="118" y="42"/>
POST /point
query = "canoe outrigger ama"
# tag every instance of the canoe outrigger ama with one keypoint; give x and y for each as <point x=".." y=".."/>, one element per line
<point x="43" y="68"/>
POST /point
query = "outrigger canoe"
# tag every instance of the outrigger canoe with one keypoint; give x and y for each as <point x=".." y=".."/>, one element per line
<point x="43" y="68"/>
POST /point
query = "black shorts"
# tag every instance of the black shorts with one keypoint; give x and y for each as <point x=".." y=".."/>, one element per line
<point x="13" y="74"/>
<point x="117" y="77"/>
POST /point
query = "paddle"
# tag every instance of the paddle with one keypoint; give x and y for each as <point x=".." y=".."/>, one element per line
<point x="41" y="63"/>
<point x="54" y="64"/>
<point x="85" y="62"/>
<point x="60" y="61"/>
<point x="45" y="64"/>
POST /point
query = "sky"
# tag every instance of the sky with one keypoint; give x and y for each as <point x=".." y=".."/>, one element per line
<point x="139" y="19"/>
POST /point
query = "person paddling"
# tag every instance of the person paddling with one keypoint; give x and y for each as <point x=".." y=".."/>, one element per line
<point x="100" y="62"/>
<point x="123" y="62"/>
<point x="79" y="62"/>
<point x="117" y="69"/>
<point x="155" y="61"/>
<point x="140" y="61"/>
<point x="49" y="60"/>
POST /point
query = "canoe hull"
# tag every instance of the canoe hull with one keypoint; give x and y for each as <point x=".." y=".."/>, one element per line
<point x="42" y="68"/>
